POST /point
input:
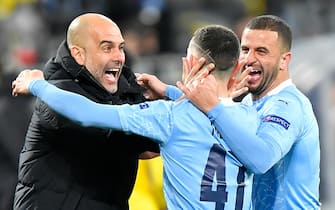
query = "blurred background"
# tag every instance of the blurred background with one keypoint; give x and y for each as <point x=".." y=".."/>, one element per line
<point x="156" y="34"/>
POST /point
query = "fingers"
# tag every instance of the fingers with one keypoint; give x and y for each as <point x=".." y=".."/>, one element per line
<point x="197" y="67"/>
<point x="204" y="71"/>
<point x="13" y="88"/>
<point x="237" y="69"/>
<point x="244" y="77"/>
<point x="137" y="75"/>
<point x="20" y="84"/>
<point x="190" y="73"/>
<point x="237" y="84"/>
<point x="186" y="69"/>
<point x="139" y="79"/>
<point x="201" y="75"/>
<point x="238" y="92"/>
<point x="142" y="79"/>
<point x="17" y="87"/>
<point x="183" y="88"/>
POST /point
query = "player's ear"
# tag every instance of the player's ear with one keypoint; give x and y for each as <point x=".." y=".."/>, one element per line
<point x="285" y="60"/>
<point x="78" y="54"/>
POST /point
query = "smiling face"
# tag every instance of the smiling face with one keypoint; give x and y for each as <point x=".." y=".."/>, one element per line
<point x="262" y="50"/>
<point x="105" y="56"/>
<point x="99" y="46"/>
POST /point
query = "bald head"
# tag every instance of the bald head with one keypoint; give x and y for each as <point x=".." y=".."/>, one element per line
<point x="82" y="27"/>
<point x="96" y="43"/>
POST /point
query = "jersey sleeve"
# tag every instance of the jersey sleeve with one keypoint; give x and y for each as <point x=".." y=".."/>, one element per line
<point x="240" y="127"/>
<point x="172" y="92"/>
<point x="150" y="119"/>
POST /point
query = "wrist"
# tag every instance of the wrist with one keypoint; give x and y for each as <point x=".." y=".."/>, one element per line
<point x="210" y="105"/>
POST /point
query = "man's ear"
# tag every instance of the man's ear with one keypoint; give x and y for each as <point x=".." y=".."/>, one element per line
<point x="78" y="54"/>
<point x="285" y="60"/>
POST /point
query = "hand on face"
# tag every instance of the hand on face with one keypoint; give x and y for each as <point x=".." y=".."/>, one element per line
<point x="237" y="84"/>
<point x="21" y="84"/>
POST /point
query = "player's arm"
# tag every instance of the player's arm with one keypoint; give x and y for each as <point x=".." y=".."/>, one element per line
<point x="258" y="143"/>
<point x="140" y="119"/>
<point x="76" y="107"/>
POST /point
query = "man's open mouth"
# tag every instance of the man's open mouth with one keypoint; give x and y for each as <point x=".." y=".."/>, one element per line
<point x="113" y="71"/>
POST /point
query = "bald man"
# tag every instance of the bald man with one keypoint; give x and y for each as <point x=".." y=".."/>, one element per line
<point x="65" y="166"/>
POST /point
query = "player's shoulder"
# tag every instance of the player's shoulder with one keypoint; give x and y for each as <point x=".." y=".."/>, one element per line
<point x="289" y="96"/>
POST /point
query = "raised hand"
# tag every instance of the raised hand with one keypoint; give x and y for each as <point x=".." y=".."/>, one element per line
<point x="204" y="93"/>
<point x="21" y="84"/>
<point x="197" y="72"/>
<point x="238" y="81"/>
<point x="155" y="89"/>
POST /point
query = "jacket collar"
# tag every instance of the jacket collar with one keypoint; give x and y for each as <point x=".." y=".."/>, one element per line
<point x="64" y="58"/>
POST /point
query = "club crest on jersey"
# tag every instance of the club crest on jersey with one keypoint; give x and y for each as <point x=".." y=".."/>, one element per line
<point x="278" y="120"/>
<point x="144" y="105"/>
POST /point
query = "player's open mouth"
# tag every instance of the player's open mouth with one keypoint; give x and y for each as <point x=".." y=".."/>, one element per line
<point x="255" y="71"/>
<point x="255" y="74"/>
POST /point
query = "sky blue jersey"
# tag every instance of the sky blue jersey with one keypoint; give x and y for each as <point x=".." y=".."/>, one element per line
<point x="284" y="152"/>
<point x="200" y="172"/>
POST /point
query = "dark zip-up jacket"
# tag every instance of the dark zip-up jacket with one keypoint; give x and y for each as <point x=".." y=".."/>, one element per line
<point x="65" y="166"/>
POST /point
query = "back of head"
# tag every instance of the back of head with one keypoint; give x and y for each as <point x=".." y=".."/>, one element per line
<point x="218" y="44"/>
<point x="273" y="23"/>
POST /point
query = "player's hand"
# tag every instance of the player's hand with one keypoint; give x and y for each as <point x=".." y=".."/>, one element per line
<point x="238" y="81"/>
<point x="197" y="72"/>
<point x="192" y="76"/>
<point x="203" y="94"/>
<point x="21" y="84"/>
<point x="155" y="89"/>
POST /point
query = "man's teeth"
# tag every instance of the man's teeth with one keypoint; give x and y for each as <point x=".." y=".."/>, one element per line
<point x="112" y="71"/>
<point x="255" y="70"/>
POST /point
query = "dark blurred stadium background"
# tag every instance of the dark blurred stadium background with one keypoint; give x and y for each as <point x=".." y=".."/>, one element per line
<point x="156" y="33"/>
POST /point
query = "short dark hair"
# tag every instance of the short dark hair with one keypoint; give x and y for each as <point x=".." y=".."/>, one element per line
<point x="273" y="23"/>
<point x="218" y="44"/>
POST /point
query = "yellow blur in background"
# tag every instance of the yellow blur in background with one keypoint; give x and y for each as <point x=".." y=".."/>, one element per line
<point x="7" y="7"/>
<point x="148" y="190"/>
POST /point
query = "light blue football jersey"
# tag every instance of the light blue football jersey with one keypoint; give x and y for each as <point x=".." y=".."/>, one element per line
<point x="200" y="171"/>
<point x="284" y="152"/>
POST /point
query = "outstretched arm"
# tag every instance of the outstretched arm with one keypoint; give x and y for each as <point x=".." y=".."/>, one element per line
<point x="74" y="106"/>
<point x="144" y="119"/>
